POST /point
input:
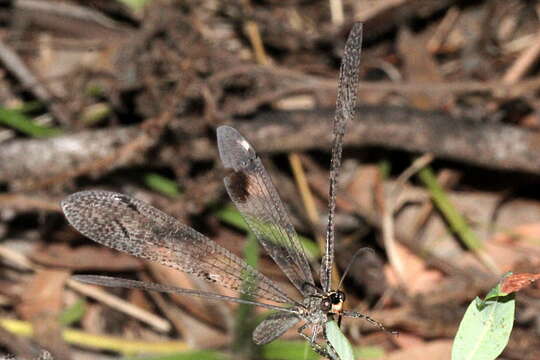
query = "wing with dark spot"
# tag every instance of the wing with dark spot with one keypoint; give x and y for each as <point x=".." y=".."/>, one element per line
<point x="254" y="195"/>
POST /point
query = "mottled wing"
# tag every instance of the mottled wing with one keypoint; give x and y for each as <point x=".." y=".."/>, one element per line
<point x="345" y="110"/>
<point x="130" y="225"/>
<point x="255" y="196"/>
<point x="273" y="327"/>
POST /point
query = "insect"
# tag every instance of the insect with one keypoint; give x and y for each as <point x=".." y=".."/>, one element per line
<point x="130" y="225"/>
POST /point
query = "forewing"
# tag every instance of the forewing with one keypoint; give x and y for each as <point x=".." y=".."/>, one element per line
<point x="273" y="327"/>
<point x="255" y="196"/>
<point x="345" y="110"/>
<point x="130" y="225"/>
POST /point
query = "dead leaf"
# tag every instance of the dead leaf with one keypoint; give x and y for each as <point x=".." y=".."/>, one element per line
<point x="41" y="304"/>
<point x="433" y="350"/>
<point x="84" y="258"/>
<point x="417" y="277"/>
<point x="517" y="282"/>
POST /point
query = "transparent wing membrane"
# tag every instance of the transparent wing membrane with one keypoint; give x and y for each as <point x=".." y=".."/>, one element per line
<point x="150" y="286"/>
<point x="130" y="225"/>
<point x="273" y="327"/>
<point x="345" y="110"/>
<point x="255" y="196"/>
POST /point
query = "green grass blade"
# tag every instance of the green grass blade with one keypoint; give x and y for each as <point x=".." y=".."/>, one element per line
<point x="162" y="185"/>
<point x="485" y="329"/>
<point x="244" y="324"/>
<point x="456" y="221"/>
<point x="18" y="121"/>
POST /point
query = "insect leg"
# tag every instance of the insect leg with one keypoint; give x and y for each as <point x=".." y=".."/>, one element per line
<point x="354" y="314"/>
<point x="318" y="348"/>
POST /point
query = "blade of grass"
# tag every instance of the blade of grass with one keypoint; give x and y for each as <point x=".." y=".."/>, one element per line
<point x="162" y="185"/>
<point x="17" y="120"/>
<point x="455" y="220"/>
<point x="244" y="323"/>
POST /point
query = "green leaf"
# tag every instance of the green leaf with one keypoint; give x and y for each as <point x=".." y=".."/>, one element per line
<point x="294" y="350"/>
<point x="162" y="185"/>
<point x="18" y="121"/>
<point x="288" y="350"/>
<point x="74" y="313"/>
<point x="368" y="352"/>
<point x="338" y="341"/>
<point x="485" y="329"/>
<point x="496" y="291"/>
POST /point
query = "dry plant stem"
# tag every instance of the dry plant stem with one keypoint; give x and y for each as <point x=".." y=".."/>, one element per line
<point x="314" y="83"/>
<point x="66" y="10"/>
<point x="114" y="302"/>
<point x="336" y="12"/>
<point x="388" y="210"/>
<point x="21" y="202"/>
<point x="252" y="31"/>
<point x="111" y="300"/>
<point x="491" y="145"/>
<point x="523" y="63"/>
<point x="306" y="194"/>
<point x="309" y="203"/>
<point x="443" y="30"/>
<point x="120" y="156"/>
<point x="99" y="342"/>
<point x="150" y="130"/>
<point x="18" y="68"/>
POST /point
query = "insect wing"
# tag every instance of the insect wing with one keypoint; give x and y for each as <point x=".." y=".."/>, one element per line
<point x="345" y="110"/>
<point x="130" y="225"/>
<point x="255" y="196"/>
<point x="273" y="327"/>
<point x="151" y="286"/>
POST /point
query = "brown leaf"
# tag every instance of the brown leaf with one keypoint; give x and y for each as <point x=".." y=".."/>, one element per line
<point x="41" y="305"/>
<point x="517" y="282"/>
<point x="43" y="294"/>
<point x="85" y="258"/>
<point x="434" y="350"/>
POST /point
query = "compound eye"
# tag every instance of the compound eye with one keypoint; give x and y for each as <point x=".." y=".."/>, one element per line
<point x="326" y="305"/>
<point x="341" y="295"/>
<point x="336" y="297"/>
